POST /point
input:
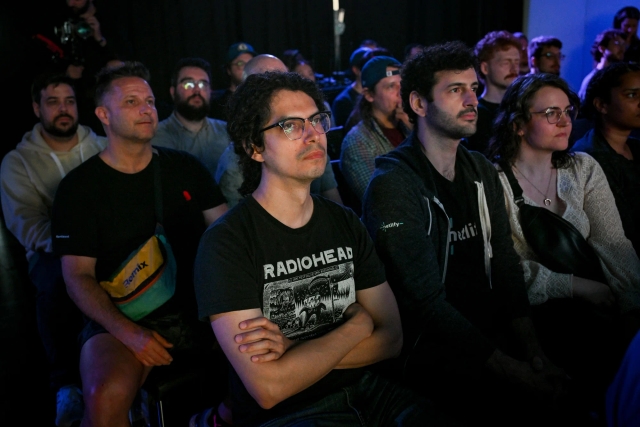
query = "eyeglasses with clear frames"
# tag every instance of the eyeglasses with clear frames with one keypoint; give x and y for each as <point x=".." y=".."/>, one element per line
<point x="293" y="127"/>
<point x="191" y="84"/>
<point x="553" y="114"/>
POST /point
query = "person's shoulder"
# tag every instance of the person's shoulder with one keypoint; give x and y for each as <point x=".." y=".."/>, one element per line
<point x="356" y="132"/>
<point x="235" y="220"/>
<point x="583" y="160"/>
<point x="85" y="175"/>
<point x="217" y="124"/>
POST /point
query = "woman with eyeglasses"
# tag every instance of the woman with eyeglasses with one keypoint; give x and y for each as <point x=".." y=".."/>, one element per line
<point x="573" y="314"/>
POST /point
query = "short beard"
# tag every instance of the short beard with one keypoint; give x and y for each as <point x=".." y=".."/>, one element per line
<point x="54" y="131"/>
<point x="446" y="125"/>
<point x="191" y="113"/>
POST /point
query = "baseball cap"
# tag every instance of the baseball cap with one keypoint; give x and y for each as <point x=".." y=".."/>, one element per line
<point x="357" y="55"/>
<point x="376" y="69"/>
<point x="237" y="49"/>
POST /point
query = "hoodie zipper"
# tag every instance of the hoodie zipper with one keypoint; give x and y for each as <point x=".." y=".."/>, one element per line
<point x="446" y="254"/>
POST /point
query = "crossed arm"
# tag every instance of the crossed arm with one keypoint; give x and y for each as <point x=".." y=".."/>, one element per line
<point x="371" y="333"/>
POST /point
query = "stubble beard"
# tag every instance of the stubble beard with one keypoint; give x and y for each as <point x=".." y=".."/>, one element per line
<point x="447" y="125"/>
<point x="52" y="129"/>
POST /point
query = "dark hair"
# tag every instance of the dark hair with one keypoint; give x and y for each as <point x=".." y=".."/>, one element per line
<point x="43" y="81"/>
<point x="513" y="113"/>
<point x="628" y="12"/>
<point x="419" y="73"/>
<point x="369" y="42"/>
<point x="520" y="35"/>
<point x="538" y="43"/>
<point x="603" y="39"/>
<point x="107" y="75"/>
<point x="292" y="58"/>
<point x="491" y="42"/>
<point x="249" y="109"/>
<point x="190" y="62"/>
<point x="408" y="48"/>
<point x="601" y="84"/>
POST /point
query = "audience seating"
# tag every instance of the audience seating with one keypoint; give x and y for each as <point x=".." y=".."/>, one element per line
<point x="349" y="199"/>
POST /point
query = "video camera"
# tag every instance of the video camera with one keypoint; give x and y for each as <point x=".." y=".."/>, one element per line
<point x="72" y="32"/>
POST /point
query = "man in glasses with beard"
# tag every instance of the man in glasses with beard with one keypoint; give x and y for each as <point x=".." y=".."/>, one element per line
<point x="29" y="177"/>
<point x="188" y="128"/>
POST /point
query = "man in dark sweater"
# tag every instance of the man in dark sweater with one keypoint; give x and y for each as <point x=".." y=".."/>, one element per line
<point x="437" y="216"/>
<point x="498" y="56"/>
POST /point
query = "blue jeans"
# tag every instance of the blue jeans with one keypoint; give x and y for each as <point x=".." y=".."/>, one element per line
<point x="372" y="401"/>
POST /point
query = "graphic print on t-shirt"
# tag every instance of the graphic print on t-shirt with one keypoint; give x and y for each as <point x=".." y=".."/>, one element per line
<point x="310" y="304"/>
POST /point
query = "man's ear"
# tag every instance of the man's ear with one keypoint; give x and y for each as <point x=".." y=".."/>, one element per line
<point x="600" y="105"/>
<point x="484" y="68"/>
<point x="418" y="104"/>
<point x="533" y="62"/>
<point x="367" y="94"/>
<point x="36" y="109"/>
<point x="255" y="153"/>
<point x="103" y="115"/>
<point x="172" y="91"/>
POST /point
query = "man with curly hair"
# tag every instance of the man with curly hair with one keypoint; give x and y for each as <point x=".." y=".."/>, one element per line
<point x="498" y="55"/>
<point x="437" y="215"/>
<point x="291" y="283"/>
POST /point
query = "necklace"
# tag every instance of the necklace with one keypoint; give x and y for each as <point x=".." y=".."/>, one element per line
<point x="547" y="201"/>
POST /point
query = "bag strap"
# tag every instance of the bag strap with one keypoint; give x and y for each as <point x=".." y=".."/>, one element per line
<point x="513" y="182"/>
<point x="157" y="186"/>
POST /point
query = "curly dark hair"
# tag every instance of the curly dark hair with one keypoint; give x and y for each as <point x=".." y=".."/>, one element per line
<point x="249" y="109"/>
<point x="601" y="84"/>
<point x="538" y="43"/>
<point x="43" y="81"/>
<point x="513" y="113"/>
<point x="190" y="62"/>
<point x="494" y="41"/>
<point x="603" y="39"/>
<point x="419" y="73"/>
<point x="107" y="75"/>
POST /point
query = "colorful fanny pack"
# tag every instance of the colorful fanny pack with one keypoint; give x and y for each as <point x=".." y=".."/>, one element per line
<point x="147" y="278"/>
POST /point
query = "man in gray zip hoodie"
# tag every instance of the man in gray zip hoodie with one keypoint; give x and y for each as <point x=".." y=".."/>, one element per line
<point x="437" y="215"/>
<point x="29" y="177"/>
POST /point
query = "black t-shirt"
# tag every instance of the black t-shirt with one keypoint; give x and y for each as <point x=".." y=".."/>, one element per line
<point x="302" y="279"/>
<point x="466" y="282"/>
<point x="102" y="213"/>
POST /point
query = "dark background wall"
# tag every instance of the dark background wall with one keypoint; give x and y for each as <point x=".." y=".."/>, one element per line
<point x="159" y="32"/>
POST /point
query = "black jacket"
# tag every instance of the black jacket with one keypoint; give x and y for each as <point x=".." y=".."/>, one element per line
<point x="410" y="229"/>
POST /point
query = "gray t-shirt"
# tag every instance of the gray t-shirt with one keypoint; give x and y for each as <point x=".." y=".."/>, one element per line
<point x="207" y="144"/>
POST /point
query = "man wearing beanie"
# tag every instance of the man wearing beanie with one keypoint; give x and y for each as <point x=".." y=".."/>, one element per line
<point x="380" y="130"/>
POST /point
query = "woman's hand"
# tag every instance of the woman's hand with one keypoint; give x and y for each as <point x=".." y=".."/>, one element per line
<point x="594" y="292"/>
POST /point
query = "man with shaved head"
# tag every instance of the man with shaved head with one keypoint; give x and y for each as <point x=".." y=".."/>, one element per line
<point x="229" y="175"/>
<point x="262" y="63"/>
